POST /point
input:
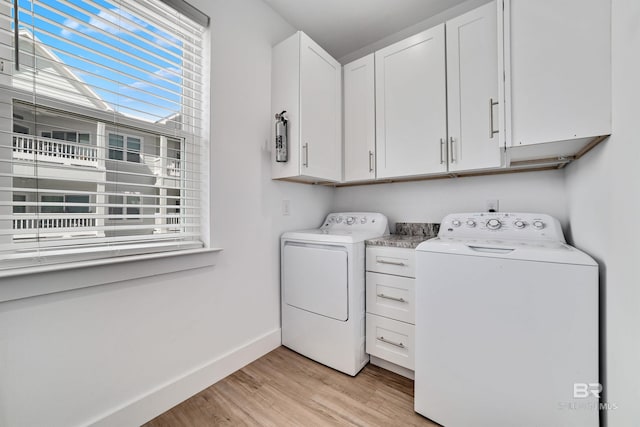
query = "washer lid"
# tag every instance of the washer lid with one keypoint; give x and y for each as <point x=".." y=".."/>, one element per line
<point x="529" y="250"/>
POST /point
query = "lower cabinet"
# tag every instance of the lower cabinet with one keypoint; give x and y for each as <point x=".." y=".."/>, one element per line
<point x="390" y="301"/>
<point x="390" y="340"/>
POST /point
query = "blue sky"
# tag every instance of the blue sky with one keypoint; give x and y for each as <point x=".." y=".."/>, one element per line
<point x="145" y="82"/>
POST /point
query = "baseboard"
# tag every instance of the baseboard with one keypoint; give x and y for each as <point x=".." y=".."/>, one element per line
<point x="155" y="402"/>
<point x="400" y="370"/>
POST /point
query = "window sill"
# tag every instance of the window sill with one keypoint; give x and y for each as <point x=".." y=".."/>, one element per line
<point x="47" y="279"/>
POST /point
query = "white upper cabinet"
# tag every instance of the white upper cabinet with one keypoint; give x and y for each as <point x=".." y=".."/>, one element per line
<point x="306" y="82"/>
<point x="512" y="83"/>
<point x="558" y="69"/>
<point x="474" y="106"/>
<point x="359" y="120"/>
<point x="411" y="106"/>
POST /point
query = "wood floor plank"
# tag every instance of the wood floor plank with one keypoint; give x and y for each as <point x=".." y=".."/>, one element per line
<point x="284" y="389"/>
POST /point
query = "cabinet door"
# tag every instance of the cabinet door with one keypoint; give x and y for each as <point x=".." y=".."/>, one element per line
<point x="472" y="89"/>
<point x="359" y="119"/>
<point x="320" y="112"/>
<point x="559" y="69"/>
<point x="411" y="105"/>
<point x="285" y="96"/>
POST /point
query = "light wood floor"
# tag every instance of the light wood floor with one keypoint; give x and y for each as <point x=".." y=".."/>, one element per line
<point x="285" y="389"/>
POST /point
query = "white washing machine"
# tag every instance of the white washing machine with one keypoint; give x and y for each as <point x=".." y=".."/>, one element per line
<point x="506" y="324"/>
<point x="322" y="281"/>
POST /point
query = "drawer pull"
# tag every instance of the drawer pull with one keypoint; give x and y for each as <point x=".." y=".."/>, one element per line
<point x="383" y="261"/>
<point x="392" y="298"/>
<point x="397" y="344"/>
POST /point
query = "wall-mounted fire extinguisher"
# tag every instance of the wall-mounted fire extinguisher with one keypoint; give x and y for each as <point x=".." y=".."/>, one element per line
<point x="281" y="138"/>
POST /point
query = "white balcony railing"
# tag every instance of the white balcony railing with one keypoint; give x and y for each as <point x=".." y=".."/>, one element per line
<point x="171" y="220"/>
<point x="32" y="148"/>
<point x="45" y="223"/>
<point x="173" y="168"/>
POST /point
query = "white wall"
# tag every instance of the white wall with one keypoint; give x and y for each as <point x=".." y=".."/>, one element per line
<point x="75" y="357"/>
<point x="430" y="201"/>
<point x="604" y="204"/>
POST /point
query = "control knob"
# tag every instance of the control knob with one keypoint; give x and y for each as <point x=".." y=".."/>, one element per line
<point x="350" y="220"/>
<point x="455" y="223"/>
<point x="519" y="224"/>
<point x="538" y="225"/>
<point x="471" y="223"/>
<point x="363" y="220"/>
<point x="494" y="224"/>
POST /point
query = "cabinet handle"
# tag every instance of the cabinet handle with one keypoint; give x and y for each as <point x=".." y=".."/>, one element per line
<point x="492" y="104"/>
<point x="453" y="149"/>
<point x="370" y="161"/>
<point x="397" y="344"/>
<point x="305" y="163"/>
<point x="391" y="298"/>
<point x="441" y="148"/>
<point x="382" y="261"/>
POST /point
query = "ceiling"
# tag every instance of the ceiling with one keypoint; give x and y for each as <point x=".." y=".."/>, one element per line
<point x="344" y="26"/>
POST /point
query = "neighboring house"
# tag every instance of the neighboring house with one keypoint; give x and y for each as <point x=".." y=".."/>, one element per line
<point x="78" y="177"/>
<point x="55" y="79"/>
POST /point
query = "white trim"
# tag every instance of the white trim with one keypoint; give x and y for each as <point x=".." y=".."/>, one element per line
<point x="156" y="401"/>
<point x="60" y="105"/>
<point x="47" y="279"/>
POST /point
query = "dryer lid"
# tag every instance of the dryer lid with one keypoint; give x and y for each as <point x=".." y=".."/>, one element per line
<point x="321" y="236"/>
<point x="344" y="227"/>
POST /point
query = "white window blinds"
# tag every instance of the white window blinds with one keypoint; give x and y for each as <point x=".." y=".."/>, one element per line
<point x="102" y="129"/>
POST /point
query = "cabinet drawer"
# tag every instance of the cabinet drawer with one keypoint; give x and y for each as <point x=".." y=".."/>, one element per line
<point x="390" y="340"/>
<point x="391" y="296"/>
<point x="398" y="261"/>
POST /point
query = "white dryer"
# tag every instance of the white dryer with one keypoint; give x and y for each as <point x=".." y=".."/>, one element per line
<point x="506" y="324"/>
<point x="322" y="283"/>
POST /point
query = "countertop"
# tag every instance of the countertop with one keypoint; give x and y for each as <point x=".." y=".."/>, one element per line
<point x="408" y="235"/>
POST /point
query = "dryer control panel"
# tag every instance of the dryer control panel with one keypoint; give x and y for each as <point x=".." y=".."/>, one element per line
<point x="353" y="222"/>
<point x="502" y="225"/>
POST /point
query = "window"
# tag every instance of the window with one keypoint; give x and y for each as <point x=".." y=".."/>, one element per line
<point x="59" y="203"/>
<point x="20" y="129"/>
<point x="107" y="134"/>
<point x="125" y="207"/>
<point x="52" y="204"/>
<point x="71" y="136"/>
<point x="116" y="147"/>
<point x="122" y="147"/>
<point x="19" y="209"/>
<point x="77" y="204"/>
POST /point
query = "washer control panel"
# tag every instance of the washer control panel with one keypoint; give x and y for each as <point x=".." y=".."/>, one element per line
<point x="353" y="222"/>
<point x="505" y="225"/>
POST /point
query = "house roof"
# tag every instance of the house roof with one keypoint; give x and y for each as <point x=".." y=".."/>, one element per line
<point x="60" y="85"/>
